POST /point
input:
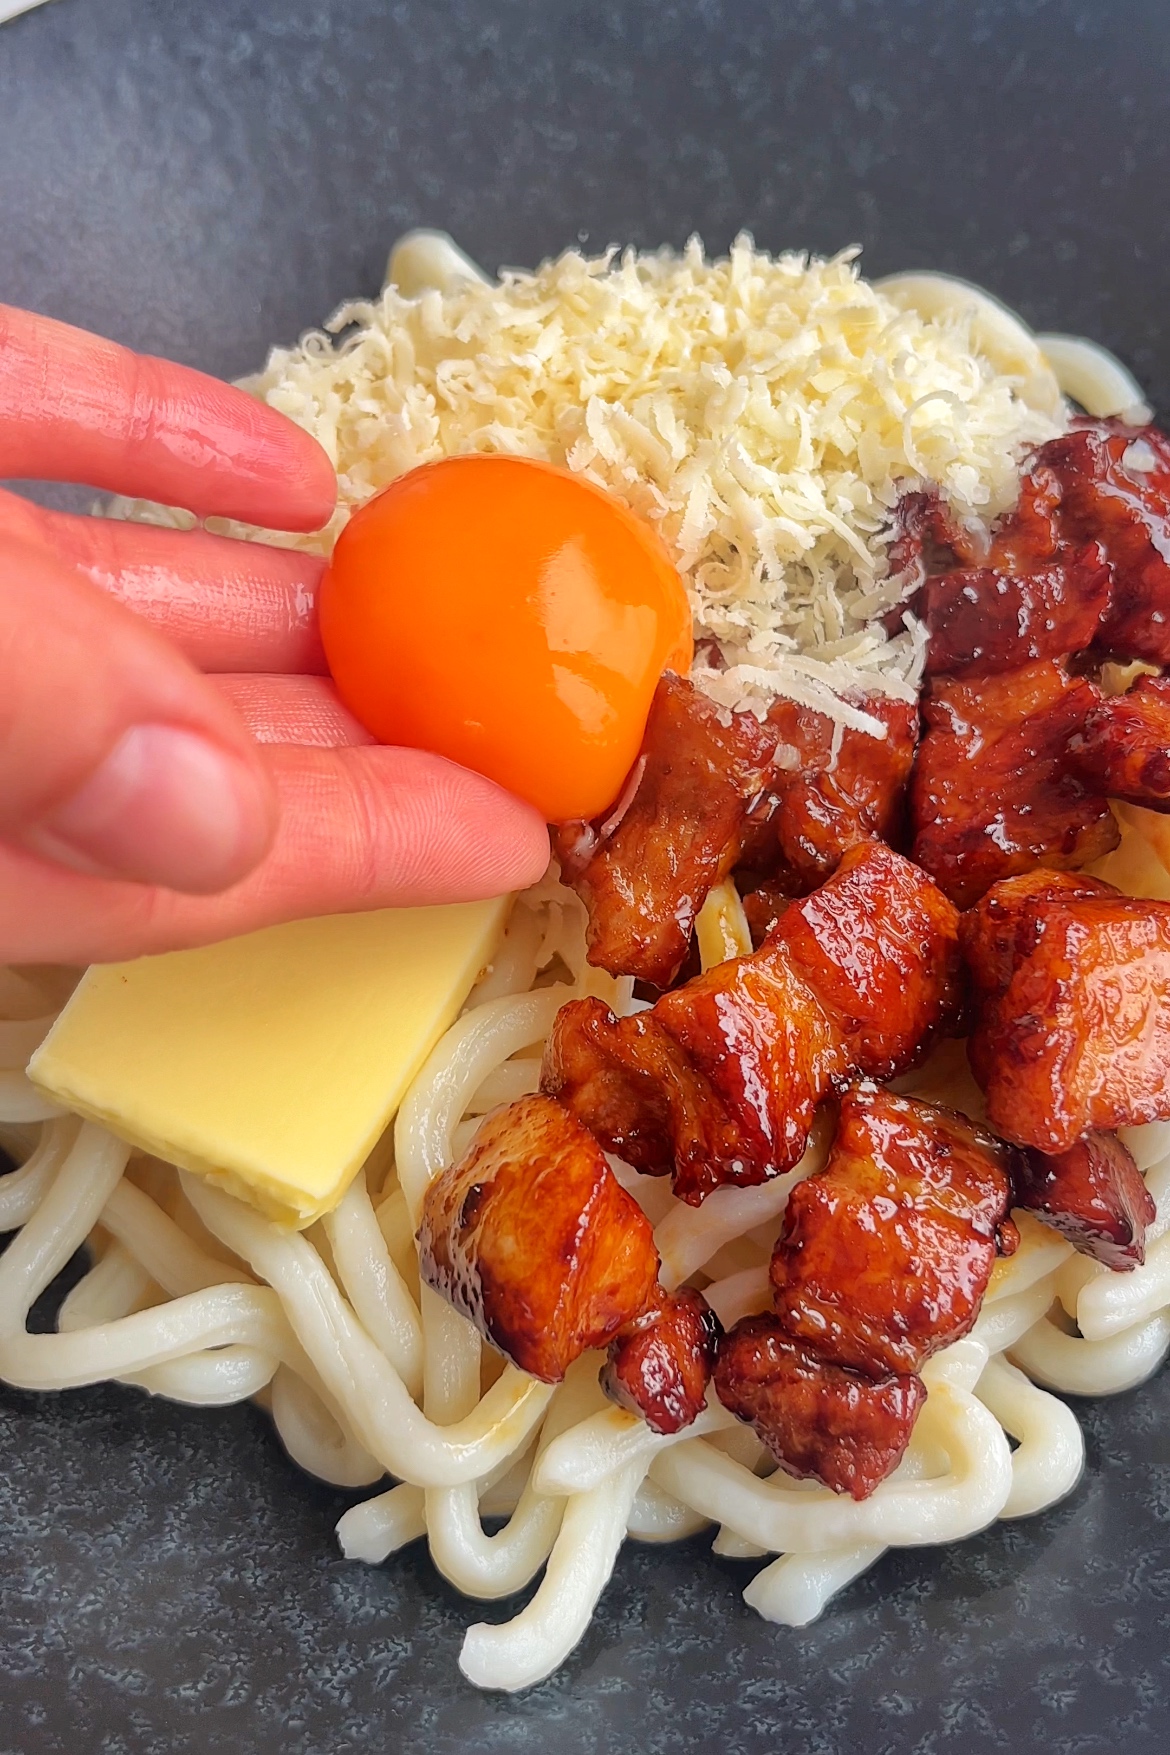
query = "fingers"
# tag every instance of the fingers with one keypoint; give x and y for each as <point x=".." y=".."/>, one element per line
<point x="359" y="829"/>
<point x="74" y="407"/>
<point x="292" y="709"/>
<point x="226" y="605"/>
<point x="116" y="756"/>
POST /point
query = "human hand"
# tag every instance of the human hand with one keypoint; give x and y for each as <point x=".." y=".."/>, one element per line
<point x="144" y="806"/>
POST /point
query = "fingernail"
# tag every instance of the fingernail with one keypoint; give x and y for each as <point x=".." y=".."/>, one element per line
<point x="164" y="807"/>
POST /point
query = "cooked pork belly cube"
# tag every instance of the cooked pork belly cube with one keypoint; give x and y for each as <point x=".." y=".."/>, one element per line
<point x="996" y="932"/>
<point x="660" y="1367"/>
<point x="885" y="1254"/>
<point x="982" y="621"/>
<point x="994" y="791"/>
<point x="1079" y="1038"/>
<point x="532" y="1236"/>
<point x="832" y="787"/>
<point x="879" y="947"/>
<point x="1094" y="1194"/>
<point x="1115" y="490"/>
<point x="645" y="873"/>
<point x="1124" y="747"/>
<point x="820" y="1421"/>
<point x="720" y="1080"/>
<point x="717" y="1084"/>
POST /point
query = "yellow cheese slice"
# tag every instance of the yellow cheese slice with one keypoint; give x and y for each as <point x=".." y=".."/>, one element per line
<point x="271" y="1063"/>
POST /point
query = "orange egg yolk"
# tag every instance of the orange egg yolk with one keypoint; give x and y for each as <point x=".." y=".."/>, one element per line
<point x="510" y="616"/>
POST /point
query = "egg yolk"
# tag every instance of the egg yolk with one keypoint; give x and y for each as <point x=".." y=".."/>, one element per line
<point x="510" y="616"/>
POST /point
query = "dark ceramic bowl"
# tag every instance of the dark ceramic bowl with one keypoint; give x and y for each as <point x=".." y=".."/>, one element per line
<point x="200" y="181"/>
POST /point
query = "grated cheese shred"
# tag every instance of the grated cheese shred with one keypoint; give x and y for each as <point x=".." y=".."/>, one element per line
<point x="762" y="413"/>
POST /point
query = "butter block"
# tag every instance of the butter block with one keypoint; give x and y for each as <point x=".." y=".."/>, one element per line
<point x="270" y="1063"/>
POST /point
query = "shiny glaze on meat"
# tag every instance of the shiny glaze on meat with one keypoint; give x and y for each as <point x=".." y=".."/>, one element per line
<point x="645" y="873"/>
<point x="994" y="791"/>
<point x="1096" y="498"/>
<point x="659" y="1367"/>
<point x="832" y="788"/>
<point x="1123" y="749"/>
<point x="717" y="1084"/>
<point x="819" y="1420"/>
<point x="983" y="621"/>
<point x="885" y="1254"/>
<point x="720" y="1080"/>
<point x="1094" y="1194"/>
<point x="1108" y="497"/>
<point x="998" y="931"/>
<point x="879" y="946"/>
<point x="532" y="1236"/>
<point x="1078" y="1038"/>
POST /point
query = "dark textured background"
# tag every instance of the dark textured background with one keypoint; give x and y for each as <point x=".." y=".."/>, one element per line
<point x="201" y="181"/>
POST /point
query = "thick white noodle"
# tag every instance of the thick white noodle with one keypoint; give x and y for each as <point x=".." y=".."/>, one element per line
<point x="358" y="1377"/>
<point x="524" y="1650"/>
<point x="600" y="1447"/>
<point x="1095" y="378"/>
<point x="1050" y="1455"/>
<point x="374" y="1285"/>
<point x="1074" y="1366"/>
<point x="21" y="1101"/>
<point x="22" y="1191"/>
<point x="689" y="1237"/>
<point x="377" y="1528"/>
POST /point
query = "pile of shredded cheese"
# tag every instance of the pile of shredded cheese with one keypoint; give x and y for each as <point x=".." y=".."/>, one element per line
<point x="763" y="413"/>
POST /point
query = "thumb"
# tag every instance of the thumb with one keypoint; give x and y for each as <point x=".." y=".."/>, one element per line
<point x="116" y="757"/>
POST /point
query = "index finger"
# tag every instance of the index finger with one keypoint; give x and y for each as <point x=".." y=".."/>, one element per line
<point x="75" y="407"/>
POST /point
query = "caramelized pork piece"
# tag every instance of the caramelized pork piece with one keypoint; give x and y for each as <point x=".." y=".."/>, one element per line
<point x="645" y="872"/>
<point x="659" y="1367"/>
<point x="1115" y="490"/>
<point x="982" y="621"/>
<point x="532" y="1236"/>
<point x="720" y="1080"/>
<point x="994" y="791"/>
<point x="997" y="931"/>
<point x="885" y="1254"/>
<point x="835" y="786"/>
<point x="1124" y="746"/>
<point x="763" y="905"/>
<point x="819" y="1420"/>
<point x="1094" y="1194"/>
<point x="717" y="1084"/>
<point x="1079" y="1036"/>
<point x="879" y="946"/>
<point x="926" y="539"/>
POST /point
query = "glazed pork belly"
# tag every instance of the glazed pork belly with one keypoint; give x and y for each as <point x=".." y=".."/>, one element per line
<point x="1123" y="748"/>
<point x="1082" y="562"/>
<point x="661" y="1363"/>
<point x="718" y="1082"/>
<point x="784" y="797"/>
<point x="820" y="1421"/>
<point x="532" y="1236"/>
<point x="883" y="1257"/>
<point x="832" y="787"/>
<point x="1072" y="1030"/>
<point x="994" y="790"/>
<point x="1094" y="1194"/>
<point x="644" y="872"/>
<point x="885" y="1254"/>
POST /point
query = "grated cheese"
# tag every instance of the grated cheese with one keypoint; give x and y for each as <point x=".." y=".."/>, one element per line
<point x="763" y="413"/>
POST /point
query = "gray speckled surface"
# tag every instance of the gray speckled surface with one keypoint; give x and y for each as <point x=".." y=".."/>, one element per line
<point x="201" y="181"/>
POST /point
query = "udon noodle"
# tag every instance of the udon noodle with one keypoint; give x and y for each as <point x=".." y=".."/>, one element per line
<point x="192" y="1295"/>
